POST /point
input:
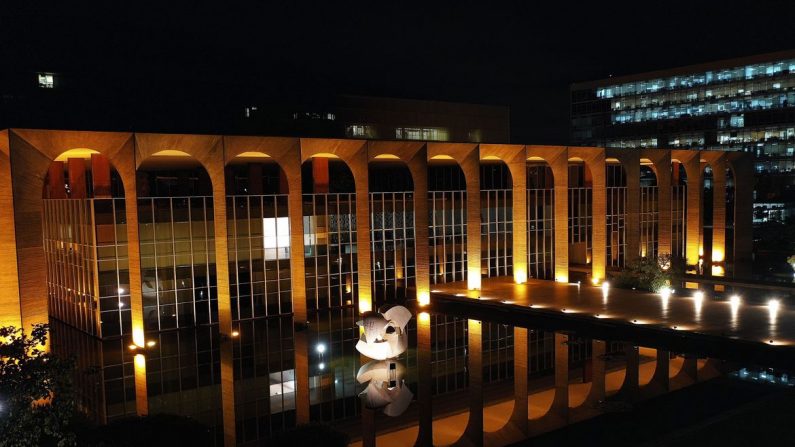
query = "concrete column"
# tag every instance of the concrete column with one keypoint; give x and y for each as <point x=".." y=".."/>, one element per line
<point x="743" y="169"/>
<point x="688" y="375"/>
<point x="520" y="371"/>
<point x="694" y="208"/>
<point x="359" y="168"/>
<point x="100" y="176"/>
<point x="718" y="255"/>
<point x="560" y="403"/>
<point x="418" y="166"/>
<point x="518" y="167"/>
<point x="10" y="308"/>
<point x="425" y="376"/>
<point x="216" y="171"/>
<point x="560" y="174"/>
<point x="630" y="387"/>
<point x="471" y="167"/>
<point x="77" y="178"/>
<point x="136" y="295"/>
<point x="660" y="382"/>
<point x="55" y="180"/>
<point x="473" y="434"/>
<point x="368" y="427"/>
<point x="599" y="212"/>
<point x="598" y="370"/>
<point x="662" y="168"/>
<point x="292" y="170"/>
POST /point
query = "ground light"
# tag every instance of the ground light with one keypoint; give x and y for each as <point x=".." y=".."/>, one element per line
<point x="773" y="305"/>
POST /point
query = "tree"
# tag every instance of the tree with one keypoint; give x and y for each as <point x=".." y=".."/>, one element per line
<point x="650" y="274"/>
<point x="36" y="400"/>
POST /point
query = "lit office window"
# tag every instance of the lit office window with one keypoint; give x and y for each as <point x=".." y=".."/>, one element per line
<point x="360" y="131"/>
<point x="46" y="80"/>
<point x="276" y="239"/>
<point x="422" y="133"/>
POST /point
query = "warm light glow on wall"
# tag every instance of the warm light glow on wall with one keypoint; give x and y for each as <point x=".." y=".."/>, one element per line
<point x="138" y="337"/>
<point x="520" y="273"/>
<point x="170" y="153"/>
<point x="423" y="297"/>
<point x="717" y="270"/>
<point x="473" y="279"/>
<point x="253" y="155"/>
<point x="424" y="318"/>
<point x="717" y="255"/>
<point x="365" y="304"/>
<point x="562" y="277"/>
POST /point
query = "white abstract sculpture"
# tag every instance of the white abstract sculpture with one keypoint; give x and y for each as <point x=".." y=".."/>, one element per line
<point x="384" y="334"/>
<point x="386" y="389"/>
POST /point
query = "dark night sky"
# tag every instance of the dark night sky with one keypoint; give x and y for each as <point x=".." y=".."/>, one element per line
<point x="518" y="54"/>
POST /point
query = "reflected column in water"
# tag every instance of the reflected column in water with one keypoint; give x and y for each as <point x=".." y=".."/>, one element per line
<point x="474" y="430"/>
<point x="425" y="377"/>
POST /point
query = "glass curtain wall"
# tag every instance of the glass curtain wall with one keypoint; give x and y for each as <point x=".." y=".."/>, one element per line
<point x="540" y="221"/>
<point x="649" y="215"/>
<point x="616" y="181"/>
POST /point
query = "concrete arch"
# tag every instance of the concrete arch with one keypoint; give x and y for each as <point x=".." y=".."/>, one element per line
<point x="587" y="229"/>
<point x="467" y="157"/>
<point x="31" y="152"/>
<point x="557" y="159"/>
<point x="505" y="160"/>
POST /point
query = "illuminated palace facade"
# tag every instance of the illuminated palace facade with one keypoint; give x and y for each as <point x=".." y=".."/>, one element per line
<point x="221" y="277"/>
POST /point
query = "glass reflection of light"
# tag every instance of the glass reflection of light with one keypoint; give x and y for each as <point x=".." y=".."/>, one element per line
<point x="698" y="301"/>
<point x="665" y="295"/>
<point x="773" y="305"/>
<point x="734" y="302"/>
<point x="320" y="348"/>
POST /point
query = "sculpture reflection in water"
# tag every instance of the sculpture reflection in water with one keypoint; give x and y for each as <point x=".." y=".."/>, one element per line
<point x="383" y="338"/>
